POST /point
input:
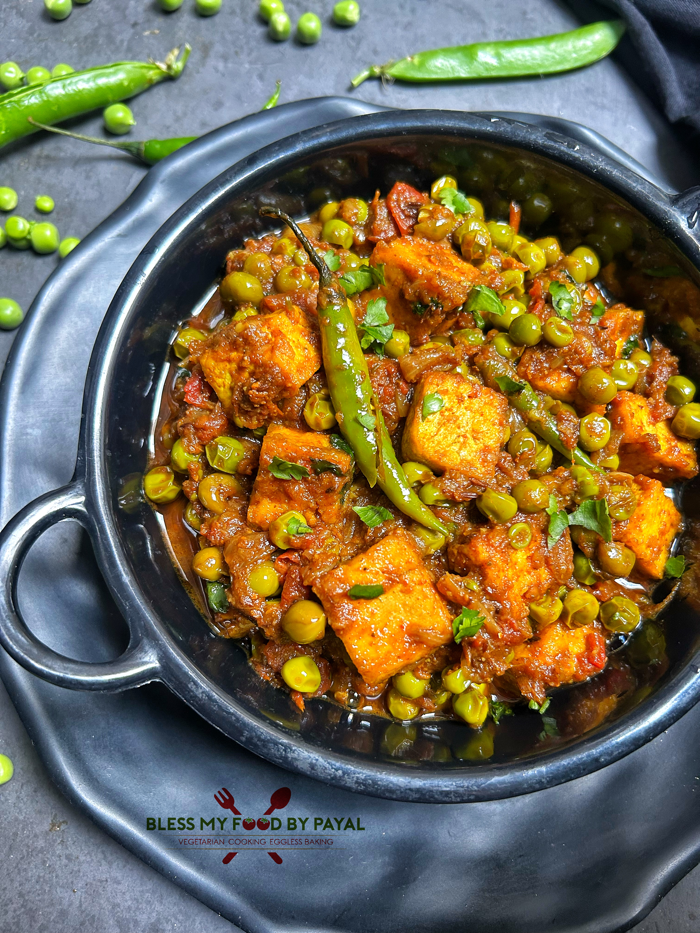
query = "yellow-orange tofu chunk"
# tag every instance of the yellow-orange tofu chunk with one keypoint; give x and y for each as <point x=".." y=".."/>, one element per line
<point x="647" y="447"/>
<point x="651" y="528"/>
<point x="317" y="494"/>
<point x="465" y="434"/>
<point x="425" y="282"/>
<point x="408" y="621"/>
<point x="254" y="364"/>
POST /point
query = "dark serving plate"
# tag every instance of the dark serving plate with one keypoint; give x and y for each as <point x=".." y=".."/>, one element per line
<point x="434" y="761"/>
<point x="590" y="855"/>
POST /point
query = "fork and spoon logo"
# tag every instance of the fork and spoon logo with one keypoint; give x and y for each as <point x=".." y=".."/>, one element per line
<point x="278" y="801"/>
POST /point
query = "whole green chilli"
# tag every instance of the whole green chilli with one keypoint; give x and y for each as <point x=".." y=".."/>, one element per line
<point x="505" y="59"/>
<point x="359" y="417"/>
<point x="149" y="151"/>
<point x="73" y="94"/>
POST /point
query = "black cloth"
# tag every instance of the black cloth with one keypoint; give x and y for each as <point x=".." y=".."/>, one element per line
<point x="665" y="53"/>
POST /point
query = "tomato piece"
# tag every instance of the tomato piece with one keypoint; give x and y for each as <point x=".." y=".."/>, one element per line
<point x="383" y="226"/>
<point x="197" y="392"/>
<point x="404" y="203"/>
<point x="514" y="215"/>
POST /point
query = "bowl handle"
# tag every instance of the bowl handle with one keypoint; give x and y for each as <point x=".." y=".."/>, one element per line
<point x="138" y="665"/>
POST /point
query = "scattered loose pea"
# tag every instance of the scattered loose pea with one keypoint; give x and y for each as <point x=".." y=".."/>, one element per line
<point x="44" y="204"/>
<point x="280" y="26"/>
<point x="169" y="6"/>
<point x="346" y="13"/>
<point x="59" y="9"/>
<point x="267" y="8"/>
<point x="8" y="199"/>
<point x="10" y="317"/>
<point x="309" y="29"/>
<point x="38" y="75"/>
<point x="6" y="768"/>
<point x="17" y="229"/>
<point x="207" y="7"/>
<point x="61" y="70"/>
<point x="11" y="75"/>
<point x="118" y="119"/>
<point x="68" y="245"/>
<point x="44" y="237"/>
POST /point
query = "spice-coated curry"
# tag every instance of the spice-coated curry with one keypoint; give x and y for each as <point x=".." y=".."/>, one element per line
<point x="424" y="463"/>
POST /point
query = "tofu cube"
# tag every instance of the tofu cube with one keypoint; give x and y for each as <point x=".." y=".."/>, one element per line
<point x="618" y="325"/>
<point x="403" y="625"/>
<point x="317" y="496"/>
<point x="255" y="363"/>
<point x="465" y="434"/>
<point x="558" y="655"/>
<point x="647" y="447"/>
<point x="650" y="530"/>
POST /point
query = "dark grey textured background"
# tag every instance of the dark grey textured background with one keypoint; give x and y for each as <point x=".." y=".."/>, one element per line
<point x="60" y="873"/>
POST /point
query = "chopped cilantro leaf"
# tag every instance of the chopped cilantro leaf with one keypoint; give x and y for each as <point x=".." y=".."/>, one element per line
<point x="375" y="329"/>
<point x="332" y="260"/>
<point x="341" y="444"/>
<point x="597" y="311"/>
<point x="456" y="200"/>
<point x="498" y="710"/>
<point x="295" y="526"/>
<point x="558" y="521"/>
<point x="372" y="515"/>
<point x="357" y="280"/>
<point x="366" y="591"/>
<point x="630" y="345"/>
<point x="550" y="728"/>
<point x="484" y="299"/>
<point x="325" y="466"/>
<point x="432" y="402"/>
<point x="562" y="300"/>
<point x="593" y="514"/>
<point x="466" y="624"/>
<point x="367" y="421"/>
<point x="283" y="469"/>
<point x="533" y="704"/>
<point x="675" y="567"/>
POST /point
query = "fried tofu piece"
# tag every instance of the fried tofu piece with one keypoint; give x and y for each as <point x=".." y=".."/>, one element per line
<point x="558" y="655"/>
<point x="650" y="530"/>
<point x="647" y="447"/>
<point x="513" y="578"/>
<point x="466" y="434"/>
<point x="618" y="325"/>
<point x="317" y="495"/>
<point x="425" y="283"/>
<point x="403" y="625"/>
<point x="255" y="363"/>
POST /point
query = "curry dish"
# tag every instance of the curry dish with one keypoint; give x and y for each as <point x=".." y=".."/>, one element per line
<point x="422" y="464"/>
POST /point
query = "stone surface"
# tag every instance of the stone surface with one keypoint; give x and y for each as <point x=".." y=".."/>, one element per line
<point x="61" y="873"/>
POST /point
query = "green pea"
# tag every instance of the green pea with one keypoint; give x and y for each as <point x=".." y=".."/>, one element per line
<point x="291" y="279"/>
<point x="641" y="359"/>
<point x="557" y="332"/>
<point x="17" y="228"/>
<point x="498" y="506"/>
<point x="583" y="571"/>
<point x="180" y="457"/>
<point x="679" y="390"/>
<point x="264" y="579"/>
<point x="346" y="13"/>
<point x="526" y="330"/>
<point x="192" y="516"/>
<point x="304" y="622"/>
<point x="478" y="748"/>
<point x="608" y="461"/>
<point x="11" y="76"/>
<point x="302" y="674"/>
<point x="546" y="610"/>
<point x="431" y="541"/>
<point x="258" y="265"/>
<point x="44" y="204"/>
<point x="417" y="472"/>
<point x="319" y="412"/>
<point x="501" y="235"/>
<point x="543" y="458"/>
<point x="602" y="246"/>
<point x="430" y="494"/>
<point x="67" y="246"/>
<point x="8" y="199"/>
<point x="454" y="680"/>
<point x="474" y="240"/>
<point x="687" y="421"/>
<point x="531" y="495"/>
<point x="469" y="336"/>
<point x="207" y="7"/>
<point x="241" y="288"/>
<point x="616" y="558"/>
<point x="580" y="608"/>
<point x="624" y="373"/>
<point x="309" y="29"/>
<point x="536" y="209"/>
<point x="505" y="347"/>
<point x="589" y="260"/>
<point x="520" y="535"/>
<point x="597" y="386"/>
<point x="225" y="453"/>
<point x="11" y="315"/>
<point x="169" y="6"/>
<point x="245" y="311"/>
<point x="471" y="706"/>
<point x="551" y="249"/>
<point x="118" y="119"/>
<point x="160" y="485"/>
<point x="622" y="501"/>
<point x="398" y="344"/>
<point x="61" y="70"/>
<point x="267" y="8"/>
<point x="512" y="310"/>
<point x="522" y="444"/>
<point x="44" y="237"/>
<point x="594" y="432"/>
<point x="513" y="282"/>
<point x="533" y="257"/>
<point x="338" y="233"/>
<point x="577" y="269"/>
<point x="38" y="75"/>
<point x="401" y="707"/>
<point x="6" y="769"/>
<point x="616" y="230"/>
<point x="409" y="685"/>
<point x="279" y="532"/>
<point x="620" y="614"/>
<point x="59" y="9"/>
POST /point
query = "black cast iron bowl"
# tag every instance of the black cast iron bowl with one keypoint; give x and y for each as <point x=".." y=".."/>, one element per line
<point x="169" y="640"/>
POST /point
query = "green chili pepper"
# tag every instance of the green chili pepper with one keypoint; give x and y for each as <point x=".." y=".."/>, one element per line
<point x="358" y="414"/>
<point x="149" y="151"/>
<point x="505" y="59"/>
<point x="524" y="399"/>
<point x="272" y="102"/>
<point x="73" y="94"/>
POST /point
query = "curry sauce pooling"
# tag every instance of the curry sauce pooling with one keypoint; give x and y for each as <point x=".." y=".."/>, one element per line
<point x="541" y="429"/>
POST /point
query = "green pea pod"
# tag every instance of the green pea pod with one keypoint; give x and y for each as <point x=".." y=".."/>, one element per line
<point x="272" y="102"/>
<point x="505" y="59"/>
<point x="359" y="417"/>
<point x="149" y="151"/>
<point x="73" y="94"/>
